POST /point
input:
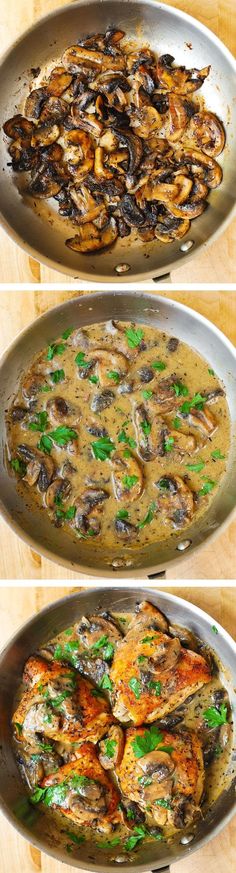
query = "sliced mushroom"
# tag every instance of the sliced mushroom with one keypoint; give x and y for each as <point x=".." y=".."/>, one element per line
<point x="60" y="412"/>
<point x="208" y="133"/>
<point x="35" y="101"/>
<point x="91" y="795"/>
<point x="85" y="121"/>
<point x="111" y="366"/>
<point x="90" y="630"/>
<point x="77" y="55"/>
<point x="134" y="146"/>
<point x="54" y="110"/>
<point x="184" y="443"/>
<point x="178" y="117"/>
<point x="150" y="434"/>
<point x="88" y="507"/>
<point x="127" y="477"/>
<point x="32" y="386"/>
<point x="58" y="491"/>
<point x="100" y="171"/>
<point x="45" y="135"/>
<point x="146" y="121"/>
<point x="102" y="401"/>
<point x="87" y="206"/>
<point x="190" y="209"/>
<point x="175" y="500"/>
<point x="164" y="399"/>
<point x="179" y="80"/>
<point x="58" y="82"/>
<point x="40" y="467"/>
<point x="158" y="765"/>
<point x="19" y="127"/>
<point x="44" y="184"/>
<point x="167" y="235"/>
<point x="203" y="420"/>
<point x="211" y="169"/>
<point x="125" y="530"/>
<point x="131" y="212"/>
<point x="89" y="238"/>
<point x="111" y="757"/>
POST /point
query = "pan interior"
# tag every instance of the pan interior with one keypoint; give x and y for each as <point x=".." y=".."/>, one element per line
<point x="36" y="633"/>
<point x="166" y="30"/>
<point x="174" y="319"/>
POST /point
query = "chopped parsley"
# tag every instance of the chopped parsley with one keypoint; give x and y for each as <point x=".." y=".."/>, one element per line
<point x="214" y="629"/>
<point x="135" y="686"/>
<point x="155" y="686"/>
<point x="162" y="801"/>
<point x="80" y="360"/>
<point x="57" y="376"/>
<point x="18" y="726"/>
<point x="39" y="421"/>
<point x="146" y="427"/>
<point x="169" y="443"/>
<point x="55" y="349"/>
<point x="211" y="372"/>
<point x="106" y="683"/>
<point x="147" y="639"/>
<point x="18" y="466"/>
<point x="217" y="455"/>
<point x="196" y="468"/>
<point x="94" y="380"/>
<point x="114" y="375"/>
<point x="148" y="742"/>
<point x="110" y="748"/>
<point x="180" y="389"/>
<point x="129" y="481"/>
<point x="176" y="423"/>
<point x="197" y="401"/>
<point x="147" y="394"/>
<point x="45" y="444"/>
<point x="215" y="717"/>
<point x="103" y="448"/>
<point x="134" y="337"/>
<point x="124" y="438"/>
<point x="67" y="332"/>
<point x="158" y="365"/>
<point x="122" y="513"/>
<point x="148" y="517"/>
<point x="208" y="486"/>
<point x="109" y="844"/>
<point x="66" y="514"/>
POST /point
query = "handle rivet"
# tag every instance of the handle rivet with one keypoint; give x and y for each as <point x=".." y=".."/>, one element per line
<point x="122" y="268"/>
<point x="186" y="246"/>
<point x="184" y="545"/>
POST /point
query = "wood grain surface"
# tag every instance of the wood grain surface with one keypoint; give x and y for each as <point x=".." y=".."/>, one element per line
<point x="215" y="264"/>
<point x="17" y="561"/>
<point x="18" y="605"/>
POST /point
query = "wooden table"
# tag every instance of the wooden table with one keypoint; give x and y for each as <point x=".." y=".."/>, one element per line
<point x="17" y="561"/>
<point x="217" y="263"/>
<point x="16" y="606"/>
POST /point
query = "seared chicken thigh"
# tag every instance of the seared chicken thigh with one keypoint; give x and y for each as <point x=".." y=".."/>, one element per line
<point x="163" y="773"/>
<point x="152" y="673"/>
<point x="83" y="791"/>
<point x="61" y="705"/>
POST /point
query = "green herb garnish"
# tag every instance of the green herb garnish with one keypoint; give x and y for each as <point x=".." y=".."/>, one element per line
<point x="211" y="372"/>
<point x="158" y="365"/>
<point x="217" y="455"/>
<point x="57" y="376"/>
<point x="80" y="360"/>
<point x="147" y="394"/>
<point x="147" y="742"/>
<point x="114" y="375"/>
<point x="180" y="389"/>
<point x="196" y="468"/>
<point x="39" y="422"/>
<point x="134" y="337"/>
<point x="168" y="443"/>
<point x="208" y="486"/>
<point x="106" y="683"/>
<point x="162" y="801"/>
<point x="103" y="448"/>
<point x="55" y="349"/>
<point x="148" y="517"/>
<point x="197" y="401"/>
<point x="146" y="427"/>
<point x="66" y="514"/>
<point x="135" y="686"/>
<point x="94" y="380"/>
<point x="67" y="332"/>
<point x="122" y="513"/>
<point x="215" y="717"/>
<point x="155" y="686"/>
<point x="110" y="748"/>
<point x="176" y="423"/>
<point x="18" y="466"/>
<point x="129" y="481"/>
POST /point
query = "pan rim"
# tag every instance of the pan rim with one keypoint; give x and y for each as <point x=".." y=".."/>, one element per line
<point x="144" y="591"/>
<point x="172" y="264"/>
<point x="126" y="573"/>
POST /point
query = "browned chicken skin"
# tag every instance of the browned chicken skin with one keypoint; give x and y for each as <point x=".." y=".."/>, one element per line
<point x="167" y="785"/>
<point x="156" y="674"/>
<point x="60" y="704"/>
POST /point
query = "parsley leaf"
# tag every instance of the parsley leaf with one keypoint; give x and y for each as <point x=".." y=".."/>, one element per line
<point x="164" y="484"/>
<point x="66" y="514"/>
<point x="158" y="365"/>
<point x="168" y="443"/>
<point x="147" y="742"/>
<point x="146" y="427"/>
<point x="18" y="466"/>
<point x="176" y="423"/>
<point x="80" y="360"/>
<point x="67" y="332"/>
<point x="196" y="468"/>
<point x="211" y="372"/>
<point x="74" y="838"/>
<point x="215" y="717"/>
<point x="109" y="844"/>
<point x="124" y="438"/>
<point x="129" y="481"/>
<point x="197" y="401"/>
<point x="147" y="394"/>
<point x="208" y="486"/>
<point x="148" y="517"/>
<point x="106" y="682"/>
<point x="147" y="639"/>
<point x="122" y="513"/>
<point x="45" y="444"/>
<point x="162" y="801"/>
<point x="110" y="748"/>
<point x="57" y="376"/>
<point x="217" y="456"/>
<point x="214" y="629"/>
<point x="39" y="422"/>
<point x="135" y="686"/>
<point x="62" y="435"/>
<point x="94" y="380"/>
<point x="134" y="337"/>
<point x="55" y="349"/>
<point x="180" y="389"/>
<point x="102" y="448"/>
<point x="155" y="686"/>
<point x="114" y="375"/>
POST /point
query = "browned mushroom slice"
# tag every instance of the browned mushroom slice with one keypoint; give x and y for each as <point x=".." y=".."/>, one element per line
<point x="88" y="511"/>
<point x="76" y="56"/>
<point x="19" y="127"/>
<point x="184" y="444"/>
<point x="179" y="80"/>
<point x="204" y="420"/>
<point x="111" y="748"/>
<point x="58" y="81"/>
<point x="127" y="477"/>
<point x="125" y="530"/>
<point x="60" y="412"/>
<point x="150" y="434"/>
<point x="31" y="386"/>
<point x="87" y="206"/>
<point x="175" y="500"/>
<point x="79" y="153"/>
<point x="139" y="58"/>
<point x="45" y="135"/>
<point x="58" y="491"/>
<point x="185" y="185"/>
<point x="178" y="117"/>
<point x="190" y="209"/>
<point x="166" y="192"/>
<point x="208" y="133"/>
<point x="211" y="169"/>
<point x="111" y="366"/>
<point x="34" y="102"/>
<point x="164" y="399"/>
<point x="200" y="190"/>
<point x="85" y="121"/>
<point x="146" y="121"/>
<point x="40" y="467"/>
<point x="44" y="184"/>
<point x="100" y="171"/>
<point x="117" y="158"/>
<point x="131" y="213"/>
<point x="54" y="109"/>
<point x="170" y="234"/>
<point x="89" y="238"/>
<point x="134" y="146"/>
<point x="90" y="630"/>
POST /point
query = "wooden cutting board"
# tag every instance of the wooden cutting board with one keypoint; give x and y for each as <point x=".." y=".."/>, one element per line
<point x="18" y="605"/>
<point x="17" y="561"/>
<point x="214" y="264"/>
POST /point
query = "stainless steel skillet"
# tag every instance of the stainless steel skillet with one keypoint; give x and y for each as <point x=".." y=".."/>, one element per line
<point x="34" y="525"/>
<point x="168" y="30"/>
<point x="13" y="802"/>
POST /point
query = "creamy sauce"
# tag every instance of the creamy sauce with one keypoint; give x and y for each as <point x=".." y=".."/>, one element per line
<point x="201" y="468"/>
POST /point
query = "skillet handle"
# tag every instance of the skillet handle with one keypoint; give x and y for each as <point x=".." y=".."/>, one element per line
<point x="161" y="870"/>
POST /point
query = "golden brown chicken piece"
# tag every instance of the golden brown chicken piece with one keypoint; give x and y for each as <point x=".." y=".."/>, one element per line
<point x="163" y="773"/>
<point x="61" y="705"/>
<point x="83" y="791"/>
<point x="152" y="673"/>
